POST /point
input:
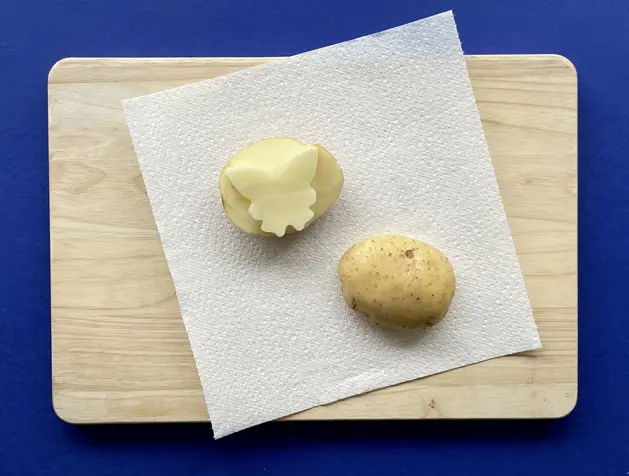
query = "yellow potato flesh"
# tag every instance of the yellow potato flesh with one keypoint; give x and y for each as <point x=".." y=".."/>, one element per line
<point x="327" y="183"/>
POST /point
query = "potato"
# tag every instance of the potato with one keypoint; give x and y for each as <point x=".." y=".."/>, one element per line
<point x="397" y="282"/>
<point x="327" y="184"/>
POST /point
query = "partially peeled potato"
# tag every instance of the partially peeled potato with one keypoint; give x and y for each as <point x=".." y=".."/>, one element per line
<point x="327" y="182"/>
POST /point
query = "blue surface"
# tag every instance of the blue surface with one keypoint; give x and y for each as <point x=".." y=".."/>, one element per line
<point x="594" y="439"/>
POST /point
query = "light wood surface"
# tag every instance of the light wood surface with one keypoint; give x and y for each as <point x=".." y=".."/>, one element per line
<point x="119" y="348"/>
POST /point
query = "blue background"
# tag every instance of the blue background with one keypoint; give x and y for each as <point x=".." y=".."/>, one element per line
<point x="594" y="439"/>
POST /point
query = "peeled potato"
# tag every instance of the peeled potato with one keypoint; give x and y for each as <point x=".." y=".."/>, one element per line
<point x="397" y="282"/>
<point x="327" y="183"/>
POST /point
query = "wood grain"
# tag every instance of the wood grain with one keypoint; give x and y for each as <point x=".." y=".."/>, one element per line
<point x="119" y="348"/>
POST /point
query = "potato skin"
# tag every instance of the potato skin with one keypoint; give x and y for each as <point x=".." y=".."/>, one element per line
<point x="327" y="182"/>
<point x="397" y="281"/>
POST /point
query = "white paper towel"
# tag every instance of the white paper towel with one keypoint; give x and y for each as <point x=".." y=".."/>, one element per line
<point x="270" y="332"/>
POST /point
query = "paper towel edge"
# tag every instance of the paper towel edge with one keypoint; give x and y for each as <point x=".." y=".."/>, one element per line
<point x="449" y="14"/>
<point x="220" y="432"/>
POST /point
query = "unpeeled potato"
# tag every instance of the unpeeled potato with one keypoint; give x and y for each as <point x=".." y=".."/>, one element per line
<point x="327" y="183"/>
<point x="397" y="281"/>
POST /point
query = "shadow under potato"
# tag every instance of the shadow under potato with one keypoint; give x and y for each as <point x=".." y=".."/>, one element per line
<point x="398" y="337"/>
<point x="265" y="251"/>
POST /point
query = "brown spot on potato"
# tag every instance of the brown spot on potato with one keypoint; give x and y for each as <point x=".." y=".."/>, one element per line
<point x="409" y="254"/>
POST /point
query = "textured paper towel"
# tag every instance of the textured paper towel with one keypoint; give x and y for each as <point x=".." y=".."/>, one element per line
<point x="270" y="332"/>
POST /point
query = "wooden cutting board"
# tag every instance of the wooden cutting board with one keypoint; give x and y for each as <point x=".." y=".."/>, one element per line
<point x="119" y="348"/>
